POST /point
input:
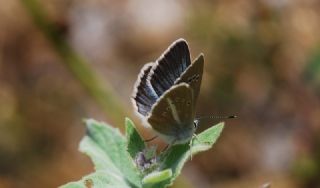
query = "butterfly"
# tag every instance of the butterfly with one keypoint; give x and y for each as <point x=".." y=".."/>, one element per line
<point x="166" y="92"/>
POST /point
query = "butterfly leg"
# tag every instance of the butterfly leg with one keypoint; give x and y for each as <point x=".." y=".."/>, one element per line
<point x="165" y="148"/>
<point x="195" y="137"/>
<point x="191" y="144"/>
<point x="190" y="150"/>
<point x="168" y="146"/>
<point x="150" y="139"/>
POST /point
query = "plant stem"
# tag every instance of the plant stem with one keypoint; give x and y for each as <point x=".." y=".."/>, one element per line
<point x="80" y="69"/>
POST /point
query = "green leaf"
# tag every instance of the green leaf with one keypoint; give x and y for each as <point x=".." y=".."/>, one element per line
<point x="112" y="155"/>
<point x="177" y="155"/>
<point x="135" y="142"/>
<point x="156" y="177"/>
<point x="108" y="150"/>
<point x="100" y="179"/>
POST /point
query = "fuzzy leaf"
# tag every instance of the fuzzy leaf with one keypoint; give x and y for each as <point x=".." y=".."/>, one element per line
<point x="107" y="148"/>
<point x="156" y="177"/>
<point x="135" y="142"/>
<point x="177" y="155"/>
<point x="113" y="154"/>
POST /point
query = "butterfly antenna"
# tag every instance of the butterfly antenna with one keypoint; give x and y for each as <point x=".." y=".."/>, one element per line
<point x="216" y="117"/>
<point x="197" y="120"/>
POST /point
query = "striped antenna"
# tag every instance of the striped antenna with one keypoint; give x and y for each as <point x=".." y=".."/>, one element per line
<point x="197" y="120"/>
<point x="216" y="117"/>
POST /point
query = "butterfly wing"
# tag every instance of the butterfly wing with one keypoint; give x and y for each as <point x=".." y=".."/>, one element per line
<point x="173" y="114"/>
<point x="143" y="96"/>
<point x="169" y="66"/>
<point x="193" y="75"/>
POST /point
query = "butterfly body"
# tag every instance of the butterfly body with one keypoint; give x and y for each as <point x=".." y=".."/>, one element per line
<point x="166" y="92"/>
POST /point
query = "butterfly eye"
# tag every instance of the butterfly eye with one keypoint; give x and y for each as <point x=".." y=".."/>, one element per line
<point x="195" y="124"/>
<point x="188" y="103"/>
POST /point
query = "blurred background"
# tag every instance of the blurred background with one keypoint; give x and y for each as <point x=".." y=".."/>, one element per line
<point x="65" y="60"/>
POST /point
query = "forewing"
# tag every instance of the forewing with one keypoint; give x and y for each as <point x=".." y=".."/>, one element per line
<point x="173" y="110"/>
<point x="171" y="64"/>
<point x="143" y="96"/>
<point x="193" y="75"/>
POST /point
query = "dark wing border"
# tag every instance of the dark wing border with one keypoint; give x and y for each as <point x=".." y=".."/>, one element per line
<point x="143" y="96"/>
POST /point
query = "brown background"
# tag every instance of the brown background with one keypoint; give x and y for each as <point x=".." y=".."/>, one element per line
<point x="262" y="63"/>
